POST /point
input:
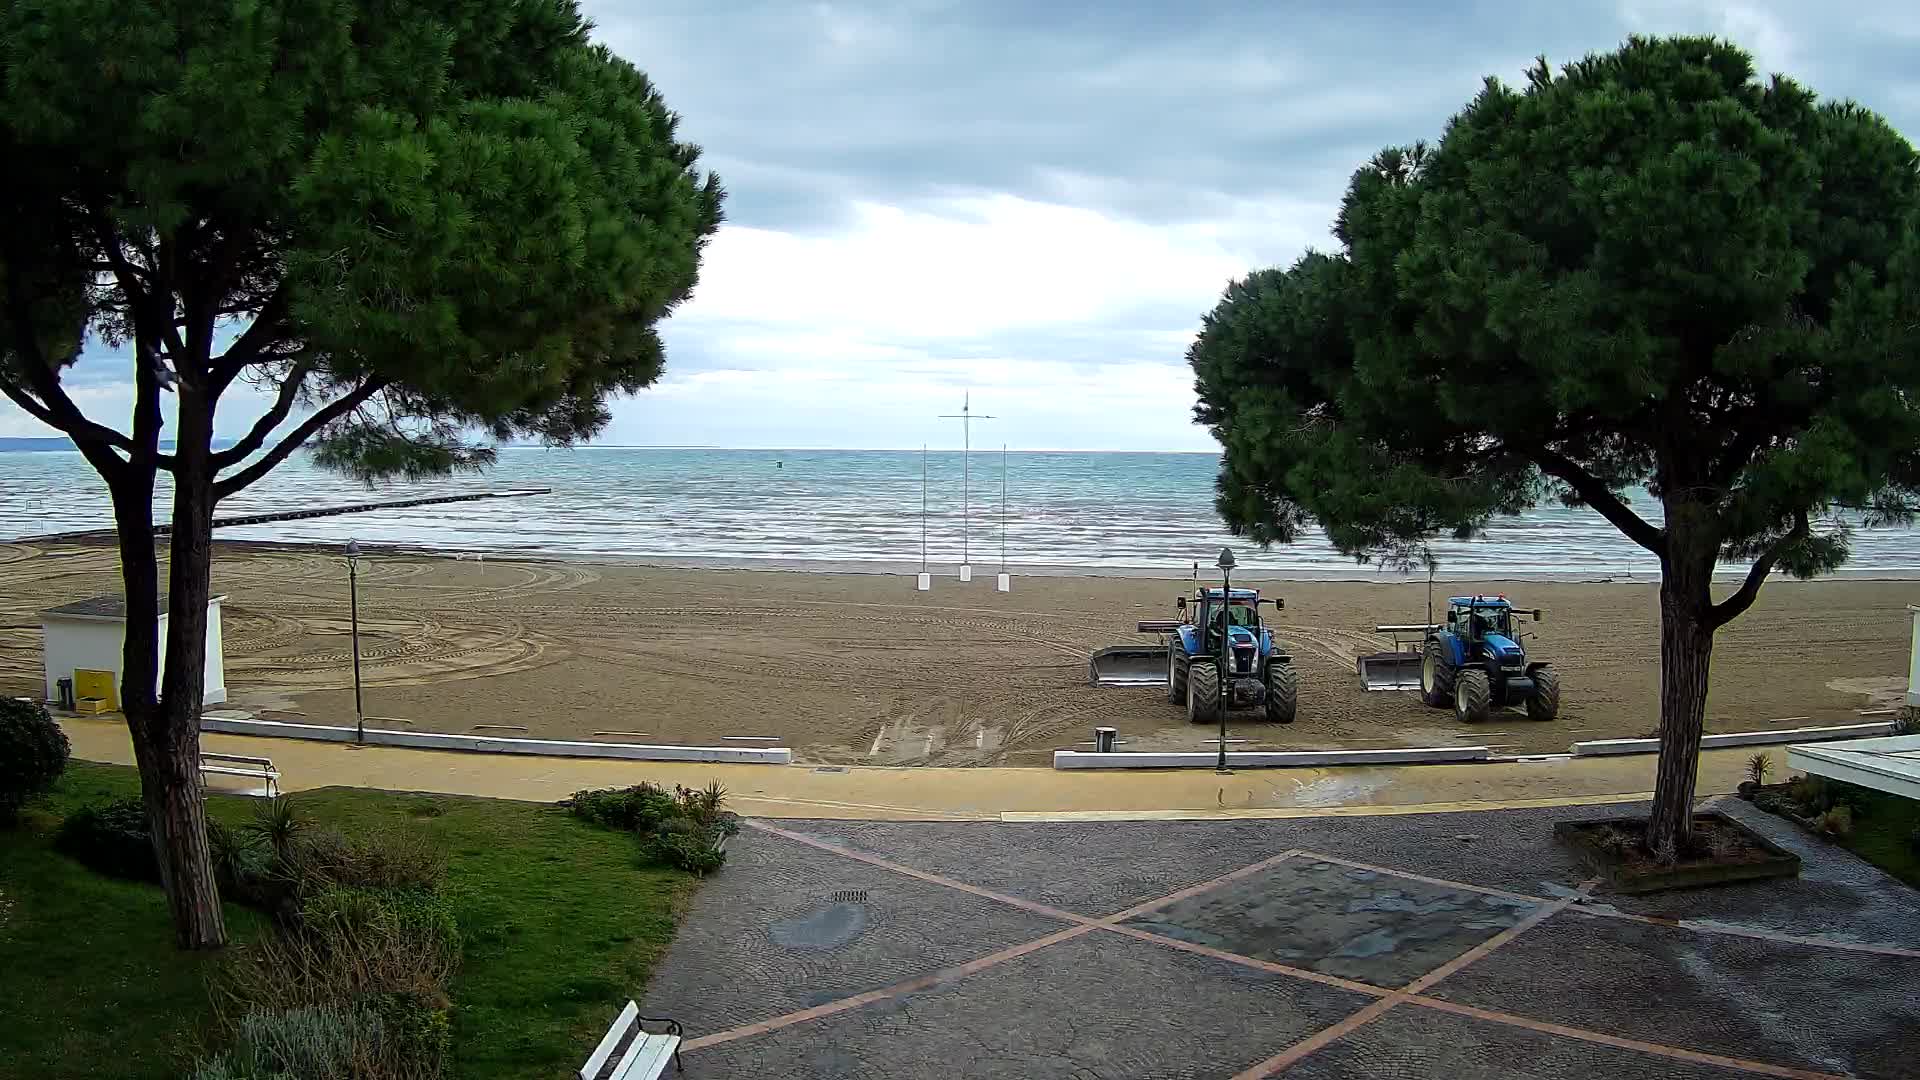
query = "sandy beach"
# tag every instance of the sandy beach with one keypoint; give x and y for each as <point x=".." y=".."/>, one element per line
<point x="861" y="669"/>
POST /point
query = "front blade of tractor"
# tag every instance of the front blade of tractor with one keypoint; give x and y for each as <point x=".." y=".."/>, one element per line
<point x="1129" y="665"/>
<point x="1389" y="670"/>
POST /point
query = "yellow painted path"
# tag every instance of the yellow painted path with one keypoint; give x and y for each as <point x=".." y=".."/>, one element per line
<point x="988" y="794"/>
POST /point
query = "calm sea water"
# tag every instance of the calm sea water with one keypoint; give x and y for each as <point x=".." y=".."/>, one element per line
<point x="848" y="509"/>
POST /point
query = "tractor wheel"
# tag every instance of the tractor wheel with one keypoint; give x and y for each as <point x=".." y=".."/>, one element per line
<point x="1436" y="676"/>
<point x="1283" y="693"/>
<point x="1176" y="676"/>
<point x="1472" y="695"/>
<point x="1544" y="703"/>
<point x="1203" y="691"/>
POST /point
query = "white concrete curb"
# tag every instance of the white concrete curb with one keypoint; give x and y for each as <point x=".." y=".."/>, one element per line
<point x="1603" y="747"/>
<point x="429" y="740"/>
<point x="1268" y="759"/>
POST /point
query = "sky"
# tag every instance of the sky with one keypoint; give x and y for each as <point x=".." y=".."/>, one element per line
<point x="1032" y="204"/>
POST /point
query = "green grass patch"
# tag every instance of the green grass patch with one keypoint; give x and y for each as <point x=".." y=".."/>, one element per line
<point x="561" y="927"/>
<point x="1883" y="832"/>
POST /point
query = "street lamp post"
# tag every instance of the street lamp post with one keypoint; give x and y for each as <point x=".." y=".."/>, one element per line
<point x="1226" y="648"/>
<point x="353" y="608"/>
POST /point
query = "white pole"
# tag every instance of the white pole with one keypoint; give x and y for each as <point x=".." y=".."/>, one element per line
<point x="1004" y="583"/>
<point x="924" y="581"/>
<point x="966" y="487"/>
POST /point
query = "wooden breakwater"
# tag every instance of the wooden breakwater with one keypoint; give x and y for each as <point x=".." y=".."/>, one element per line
<point x="315" y="512"/>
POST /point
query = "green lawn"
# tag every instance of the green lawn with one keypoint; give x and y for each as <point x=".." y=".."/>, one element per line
<point x="1883" y="832"/>
<point x="562" y="927"/>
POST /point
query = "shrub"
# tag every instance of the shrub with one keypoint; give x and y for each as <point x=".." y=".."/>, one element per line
<point x="113" y="839"/>
<point x="375" y="1041"/>
<point x="1837" y="821"/>
<point x="412" y="913"/>
<point x="707" y="806"/>
<point x="33" y="754"/>
<point x="278" y="825"/>
<point x="640" y="808"/>
<point x="1758" y="766"/>
<point x="349" y="945"/>
<point x="396" y="860"/>
<point x="1811" y="793"/>
<point x="242" y="867"/>
<point x="691" y="850"/>
<point x="418" y="1030"/>
<point x="321" y="1042"/>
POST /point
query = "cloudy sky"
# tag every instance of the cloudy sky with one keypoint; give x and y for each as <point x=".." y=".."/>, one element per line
<point x="1034" y="202"/>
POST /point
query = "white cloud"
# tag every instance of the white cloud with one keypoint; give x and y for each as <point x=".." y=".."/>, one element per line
<point x="1752" y="25"/>
<point x="964" y="267"/>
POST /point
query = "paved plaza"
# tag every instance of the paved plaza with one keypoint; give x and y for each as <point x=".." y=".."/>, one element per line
<point x="1422" y="945"/>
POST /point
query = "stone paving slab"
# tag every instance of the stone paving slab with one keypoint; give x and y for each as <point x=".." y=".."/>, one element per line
<point x="1101" y="867"/>
<point x="1375" y="928"/>
<point x="1099" y="1005"/>
<point x="1774" y="1002"/>
<point x="1421" y="1044"/>
<point x="767" y="935"/>
<point x="1092" y="868"/>
<point x="1837" y="894"/>
<point x="779" y="939"/>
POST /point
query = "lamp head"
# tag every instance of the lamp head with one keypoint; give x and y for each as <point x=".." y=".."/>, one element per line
<point x="1226" y="559"/>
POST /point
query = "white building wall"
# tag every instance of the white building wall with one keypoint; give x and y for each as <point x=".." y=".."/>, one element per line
<point x="93" y="644"/>
<point x="215" y="675"/>
<point x="96" y="644"/>
<point x="1913" y="660"/>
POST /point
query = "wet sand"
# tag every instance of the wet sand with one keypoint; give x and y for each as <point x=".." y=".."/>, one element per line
<point x="861" y="669"/>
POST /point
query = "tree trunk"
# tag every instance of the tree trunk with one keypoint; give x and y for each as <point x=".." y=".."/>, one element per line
<point x="1686" y="652"/>
<point x="166" y="727"/>
<point x="175" y="806"/>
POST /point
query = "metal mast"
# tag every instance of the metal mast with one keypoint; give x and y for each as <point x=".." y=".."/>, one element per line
<point x="966" y="416"/>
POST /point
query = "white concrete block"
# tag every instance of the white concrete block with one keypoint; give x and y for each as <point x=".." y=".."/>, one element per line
<point x="1269" y="759"/>
<point x="433" y="740"/>
<point x="966" y="572"/>
<point x="1605" y="747"/>
<point x="1004" y="583"/>
<point x="923" y="582"/>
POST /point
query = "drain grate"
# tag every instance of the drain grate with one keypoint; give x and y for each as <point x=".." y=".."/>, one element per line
<point x="849" y="896"/>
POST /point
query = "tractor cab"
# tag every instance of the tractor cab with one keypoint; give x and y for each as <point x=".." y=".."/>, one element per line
<point x="1215" y="613"/>
<point x="1485" y="623"/>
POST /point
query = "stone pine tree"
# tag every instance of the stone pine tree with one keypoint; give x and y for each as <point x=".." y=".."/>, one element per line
<point x="1649" y="270"/>
<point x="417" y="225"/>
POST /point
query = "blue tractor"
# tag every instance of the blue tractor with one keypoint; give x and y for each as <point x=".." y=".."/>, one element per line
<point x="1475" y="662"/>
<point x="1221" y="626"/>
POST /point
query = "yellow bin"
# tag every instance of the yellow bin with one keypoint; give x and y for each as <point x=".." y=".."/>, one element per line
<point x="95" y="691"/>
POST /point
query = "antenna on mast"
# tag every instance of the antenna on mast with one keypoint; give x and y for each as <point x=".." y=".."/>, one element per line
<point x="966" y="416"/>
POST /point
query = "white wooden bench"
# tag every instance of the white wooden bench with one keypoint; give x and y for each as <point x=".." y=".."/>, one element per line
<point x="258" y="768"/>
<point x="630" y="1052"/>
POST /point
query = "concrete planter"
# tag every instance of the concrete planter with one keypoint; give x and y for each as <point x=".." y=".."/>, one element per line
<point x="1621" y="875"/>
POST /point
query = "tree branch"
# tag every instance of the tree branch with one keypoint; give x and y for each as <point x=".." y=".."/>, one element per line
<point x="247" y="348"/>
<point x="263" y="427"/>
<point x="1595" y="494"/>
<point x="333" y="411"/>
<point x="55" y="408"/>
<point x="128" y="276"/>
<point x="1731" y="608"/>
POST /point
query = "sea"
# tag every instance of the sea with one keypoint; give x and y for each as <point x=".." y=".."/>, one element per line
<point x="855" y="510"/>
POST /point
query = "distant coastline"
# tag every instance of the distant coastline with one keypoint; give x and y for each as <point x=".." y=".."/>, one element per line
<point x="11" y="444"/>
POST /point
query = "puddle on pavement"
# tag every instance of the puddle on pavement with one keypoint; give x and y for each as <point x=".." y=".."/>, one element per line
<point x="826" y="928"/>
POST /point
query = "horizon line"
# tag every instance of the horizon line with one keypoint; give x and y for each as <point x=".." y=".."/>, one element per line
<point x="842" y="449"/>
